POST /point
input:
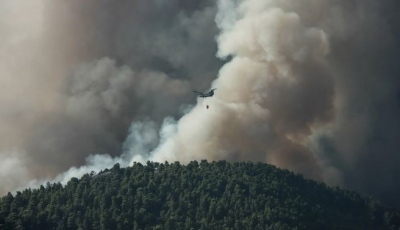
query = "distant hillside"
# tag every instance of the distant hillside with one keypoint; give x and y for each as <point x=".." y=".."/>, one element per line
<point x="217" y="195"/>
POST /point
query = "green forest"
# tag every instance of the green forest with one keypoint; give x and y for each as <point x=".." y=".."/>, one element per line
<point x="199" y="195"/>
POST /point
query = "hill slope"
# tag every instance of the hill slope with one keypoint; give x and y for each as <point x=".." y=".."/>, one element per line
<point x="217" y="195"/>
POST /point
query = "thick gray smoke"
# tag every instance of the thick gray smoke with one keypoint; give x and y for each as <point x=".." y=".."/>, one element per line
<point x="76" y="74"/>
<point x="311" y="86"/>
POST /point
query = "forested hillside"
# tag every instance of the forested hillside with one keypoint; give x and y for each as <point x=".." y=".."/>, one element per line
<point x="217" y="195"/>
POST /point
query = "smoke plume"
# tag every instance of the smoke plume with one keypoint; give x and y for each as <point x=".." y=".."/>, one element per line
<point x="310" y="86"/>
<point x="76" y="74"/>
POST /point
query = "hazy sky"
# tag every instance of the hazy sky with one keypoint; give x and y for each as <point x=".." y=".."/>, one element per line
<point x="312" y="86"/>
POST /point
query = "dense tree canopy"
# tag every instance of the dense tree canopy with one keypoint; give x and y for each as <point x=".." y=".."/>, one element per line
<point x="216" y="195"/>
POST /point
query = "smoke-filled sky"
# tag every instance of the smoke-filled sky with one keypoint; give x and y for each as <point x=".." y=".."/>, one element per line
<point x="312" y="86"/>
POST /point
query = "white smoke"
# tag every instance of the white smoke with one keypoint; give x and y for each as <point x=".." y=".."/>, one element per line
<point x="142" y="138"/>
<point x="259" y="111"/>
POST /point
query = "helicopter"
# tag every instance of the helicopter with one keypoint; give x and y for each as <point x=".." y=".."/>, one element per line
<point x="205" y="95"/>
